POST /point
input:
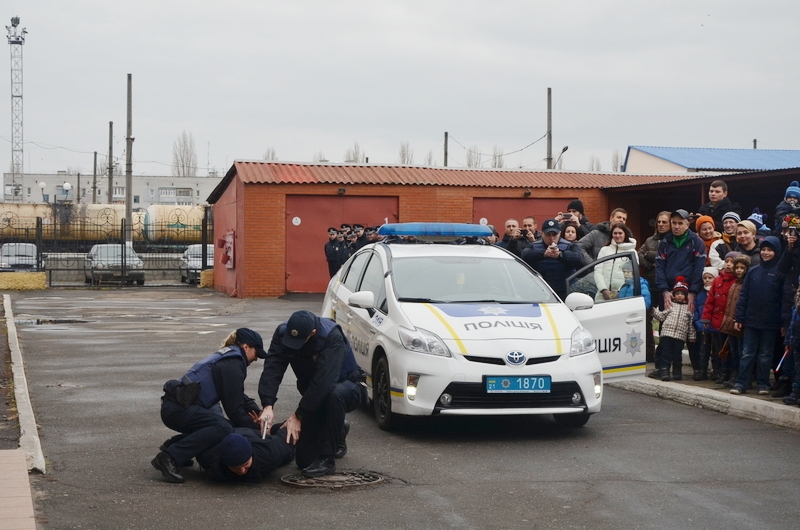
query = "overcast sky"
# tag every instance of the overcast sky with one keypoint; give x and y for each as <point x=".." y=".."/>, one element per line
<point x="308" y="76"/>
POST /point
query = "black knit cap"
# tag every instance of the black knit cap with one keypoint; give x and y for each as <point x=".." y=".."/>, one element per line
<point x="576" y="204"/>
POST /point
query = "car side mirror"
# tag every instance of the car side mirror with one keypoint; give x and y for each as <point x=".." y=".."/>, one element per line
<point x="363" y="300"/>
<point x="579" y="301"/>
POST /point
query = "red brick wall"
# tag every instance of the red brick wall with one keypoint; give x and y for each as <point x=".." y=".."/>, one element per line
<point x="258" y="216"/>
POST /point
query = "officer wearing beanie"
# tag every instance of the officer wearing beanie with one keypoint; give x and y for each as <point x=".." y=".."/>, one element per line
<point x="244" y="456"/>
<point x="190" y="405"/>
<point x="329" y="380"/>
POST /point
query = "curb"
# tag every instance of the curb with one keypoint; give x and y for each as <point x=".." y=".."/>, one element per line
<point x="29" y="433"/>
<point x="739" y="406"/>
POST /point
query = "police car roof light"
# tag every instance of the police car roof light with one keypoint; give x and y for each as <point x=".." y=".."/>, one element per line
<point x="435" y="229"/>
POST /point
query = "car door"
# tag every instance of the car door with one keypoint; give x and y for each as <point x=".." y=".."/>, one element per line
<point x="617" y="319"/>
<point x="364" y="322"/>
<point x="350" y="280"/>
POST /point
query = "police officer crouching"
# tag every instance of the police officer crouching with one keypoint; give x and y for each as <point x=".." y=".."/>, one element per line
<point x="328" y="379"/>
<point x="189" y="405"/>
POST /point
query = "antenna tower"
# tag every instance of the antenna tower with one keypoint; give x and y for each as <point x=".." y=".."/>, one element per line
<point x="16" y="40"/>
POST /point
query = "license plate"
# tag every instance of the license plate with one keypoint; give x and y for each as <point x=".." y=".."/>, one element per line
<point x="535" y="384"/>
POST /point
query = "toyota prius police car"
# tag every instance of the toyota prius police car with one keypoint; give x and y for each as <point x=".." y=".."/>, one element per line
<point x="471" y="329"/>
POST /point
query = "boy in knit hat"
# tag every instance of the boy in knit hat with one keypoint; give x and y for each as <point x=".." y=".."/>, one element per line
<point x="788" y="208"/>
<point x="758" y="312"/>
<point x="760" y="220"/>
<point x="676" y="329"/>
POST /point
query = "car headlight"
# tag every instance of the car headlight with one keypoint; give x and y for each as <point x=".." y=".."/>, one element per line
<point x="581" y="342"/>
<point x="101" y="266"/>
<point x="139" y="265"/>
<point x="423" y="341"/>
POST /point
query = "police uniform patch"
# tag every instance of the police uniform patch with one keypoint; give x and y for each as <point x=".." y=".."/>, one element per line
<point x="294" y="333"/>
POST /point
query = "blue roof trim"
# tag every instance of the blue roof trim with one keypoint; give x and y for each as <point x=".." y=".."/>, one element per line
<point x="713" y="159"/>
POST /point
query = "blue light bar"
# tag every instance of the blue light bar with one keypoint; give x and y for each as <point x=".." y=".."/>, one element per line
<point x="434" y="229"/>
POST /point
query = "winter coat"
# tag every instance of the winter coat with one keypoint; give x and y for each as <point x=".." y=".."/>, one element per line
<point x="754" y="253"/>
<point x="513" y="245"/>
<point x="782" y="210"/>
<point x="714" y="308"/>
<point x="608" y="275"/>
<point x="626" y="291"/>
<point x="759" y="304"/>
<point x="700" y="302"/>
<point x="728" y="320"/>
<point x="789" y="265"/>
<point x="596" y="239"/>
<point x="555" y="271"/>
<point x="709" y="244"/>
<point x="647" y="257"/>
<point x="676" y="322"/>
<point x="720" y="209"/>
<point x="687" y="261"/>
<point x="719" y="249"/>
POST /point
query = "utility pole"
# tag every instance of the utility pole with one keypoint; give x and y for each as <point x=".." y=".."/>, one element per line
<point x="94" y="180"/>
<point x="78" y="190"/>
<point x="755" y="143"/>
<point x="110" y="160"/>
<point x="549" y="131"/>
<point x="16" y="40"/>
<point x="129" y="169"/>
<point x="445" y="149"/>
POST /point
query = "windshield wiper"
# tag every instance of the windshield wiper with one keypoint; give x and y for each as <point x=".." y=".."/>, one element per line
<point x="420" y="300"/>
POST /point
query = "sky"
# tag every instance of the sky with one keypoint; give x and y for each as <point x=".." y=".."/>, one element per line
<point x="304" y="77"/>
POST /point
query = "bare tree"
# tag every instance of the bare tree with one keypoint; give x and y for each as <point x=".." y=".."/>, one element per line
<point x="615" y="161"/>
<point x="355" y="155"/>
<point x="406" y="154"/>
<point x="594" y="164"/>
<point x="270" y="154"/>
<point x="74" y="170"/>
<point x="474" y="156"/>
<point x="429" y="161"/>
<point x="497" y="158"/>
<point x="319" y="157"/>
<point x="184" y="156"/>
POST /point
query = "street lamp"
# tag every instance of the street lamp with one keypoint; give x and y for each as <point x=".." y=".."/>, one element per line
<point x="42" y="185"/>
<point x="66" y="187"/>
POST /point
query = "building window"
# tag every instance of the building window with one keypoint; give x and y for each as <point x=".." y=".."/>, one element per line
<point x="119" y="192"/>
<point x="136" y="199"/>
<point x="29" y="192"/>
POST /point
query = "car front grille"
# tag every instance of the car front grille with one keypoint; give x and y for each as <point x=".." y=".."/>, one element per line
<point x="473" y="396"/>
<point x="501" y="362"/>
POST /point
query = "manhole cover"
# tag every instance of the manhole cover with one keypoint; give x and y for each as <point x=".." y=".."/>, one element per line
<point x="340" y="479"/>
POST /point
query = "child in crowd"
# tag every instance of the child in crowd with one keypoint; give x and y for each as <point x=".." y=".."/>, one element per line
<point x="792" y="340"/>
<point x="758" y="311"/>
<point x="713" y="313"/>
<point x="760" y="220"/>
<point x="626" y="291"/>
<point x="741" y="264"/>
<point x="676" y="329"/>
<point x="788" y="208"/>
<point x="707" y="339"/>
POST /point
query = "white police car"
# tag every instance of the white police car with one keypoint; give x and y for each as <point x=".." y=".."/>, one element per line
<point x="470" y="329"/>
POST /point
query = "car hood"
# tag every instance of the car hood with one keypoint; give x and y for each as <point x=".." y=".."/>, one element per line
<point x="492" y="329"/>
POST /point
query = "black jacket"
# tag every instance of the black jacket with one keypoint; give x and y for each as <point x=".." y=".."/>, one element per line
<point x="717" y="211"/>
<point x="268" y="454"/>
<point x="325" y="360"/>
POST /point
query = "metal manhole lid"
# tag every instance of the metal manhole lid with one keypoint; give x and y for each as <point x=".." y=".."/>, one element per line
<point x="338" y="480"/>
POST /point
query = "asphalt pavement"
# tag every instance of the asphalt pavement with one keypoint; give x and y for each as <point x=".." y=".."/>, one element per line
<point x="96" y="361"/>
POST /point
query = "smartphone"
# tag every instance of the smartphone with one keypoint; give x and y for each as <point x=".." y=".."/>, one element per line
<point x="793" y="231"/>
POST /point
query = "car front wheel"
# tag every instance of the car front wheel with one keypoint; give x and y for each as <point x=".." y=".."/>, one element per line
<point x="382" y="396"/>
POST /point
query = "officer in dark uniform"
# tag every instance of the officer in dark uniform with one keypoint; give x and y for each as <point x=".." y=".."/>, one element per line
<point x="189" y="405"/>
<point x="332" y="251"/>
<point x="328" y="379"/>
<point x="244" y="456"/>
<point x="361" y="237"/>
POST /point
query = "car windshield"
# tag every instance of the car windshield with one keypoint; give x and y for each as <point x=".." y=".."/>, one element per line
<point x="114" y="252"/>
<point x="465" y="279"/>
<point x="20" y="251"/>
<point x="196" y="252"/>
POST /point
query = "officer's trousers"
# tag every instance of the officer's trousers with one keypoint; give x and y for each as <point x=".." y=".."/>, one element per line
<point x="202" y="428"/>
<point x="321" y="432"/>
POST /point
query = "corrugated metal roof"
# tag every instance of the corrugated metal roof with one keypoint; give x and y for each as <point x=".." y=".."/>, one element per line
<point x="252" y="172"/>
<point x="712" y="159"/>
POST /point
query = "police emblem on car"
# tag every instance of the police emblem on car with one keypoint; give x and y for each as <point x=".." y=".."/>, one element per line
<point x="515" y="358"/>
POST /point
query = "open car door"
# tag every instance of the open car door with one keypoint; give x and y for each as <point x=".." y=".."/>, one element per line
<point x="617" y="318"/>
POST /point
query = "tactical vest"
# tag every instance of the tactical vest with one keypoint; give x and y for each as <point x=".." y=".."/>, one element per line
<point x="201" y="373"/>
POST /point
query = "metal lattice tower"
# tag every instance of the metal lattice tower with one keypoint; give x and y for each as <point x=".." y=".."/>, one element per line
<point x="16" y="40"/>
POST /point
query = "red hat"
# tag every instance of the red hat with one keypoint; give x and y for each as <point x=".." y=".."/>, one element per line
<point x="680" y="285"/>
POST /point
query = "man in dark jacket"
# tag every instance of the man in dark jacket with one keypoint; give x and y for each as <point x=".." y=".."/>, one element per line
<point x="190" y="405"/>
<point x="244" y="456"/>
<point x="718" y="203"/>
<point x="332" y="251"/>
<point x="680" y="253"/>
<point x="553" y="257"/>
<point x="328" y="379"/>
<point x="601" y="235"/>
<point x="513" y="239"/>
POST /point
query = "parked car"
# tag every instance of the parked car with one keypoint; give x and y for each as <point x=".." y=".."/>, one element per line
<point x="105" y="264"/>
<point x="192" y="262"/>
<point x="443" y="329"/>
<point x="19" y="257"/>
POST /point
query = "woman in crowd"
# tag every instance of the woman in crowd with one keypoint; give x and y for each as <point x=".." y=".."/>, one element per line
<point x="608" y="275"/>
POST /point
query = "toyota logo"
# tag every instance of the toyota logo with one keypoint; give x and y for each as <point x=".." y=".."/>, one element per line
<point x="515" y="358"/>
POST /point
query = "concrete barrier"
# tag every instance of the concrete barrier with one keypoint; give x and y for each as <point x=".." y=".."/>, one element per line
<point x="23" y="281"/>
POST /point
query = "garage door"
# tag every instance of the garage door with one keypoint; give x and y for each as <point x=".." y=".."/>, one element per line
<point x="496" y="211"/>
<point x="307" y="220"/>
